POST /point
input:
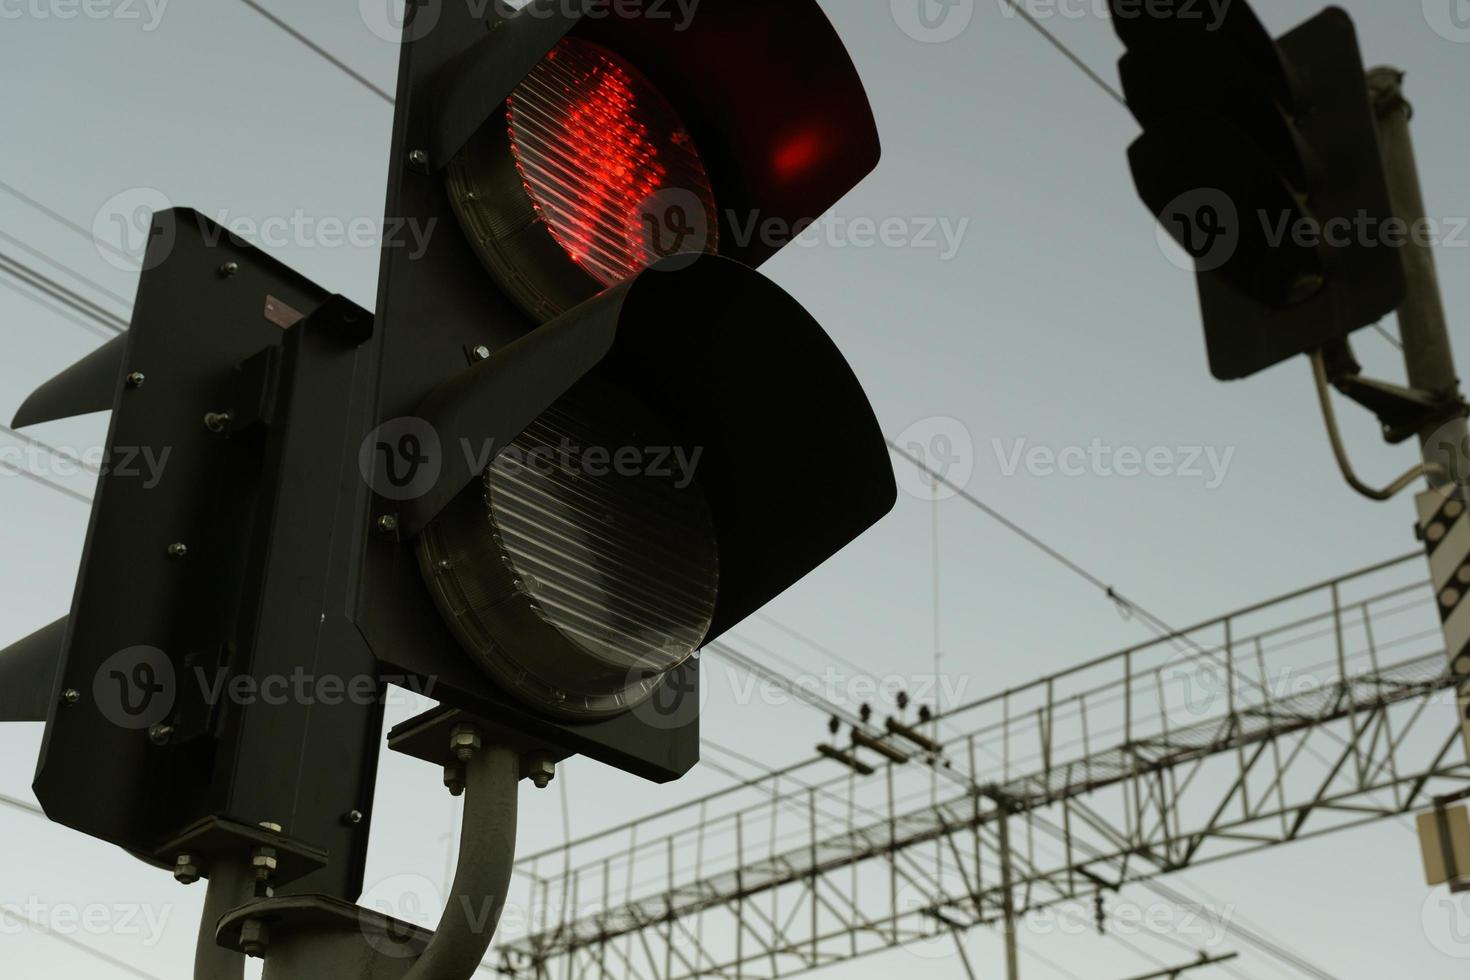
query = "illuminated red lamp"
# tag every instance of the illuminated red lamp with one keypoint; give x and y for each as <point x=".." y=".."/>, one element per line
<point x="592" y="178"/>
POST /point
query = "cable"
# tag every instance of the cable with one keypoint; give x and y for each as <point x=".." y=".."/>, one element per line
<point x="1072" y="57"/>
<point x="58" y="310"/>
<point x="1383" y="332"/>
<point x="1339" y="451"/>
<point x="318" y="49"/>
<point x="22" y="805"/>
<point x="64" y="268"/>
<point x="47" y="447"/>
<point x="21" y="471"/>
<point x="65" y="295"/>
<point x="66" y="222"/>
<point x="74" y="944"/>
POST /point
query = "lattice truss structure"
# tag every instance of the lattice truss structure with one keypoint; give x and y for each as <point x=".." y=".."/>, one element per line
<point x="1314" y="712"/>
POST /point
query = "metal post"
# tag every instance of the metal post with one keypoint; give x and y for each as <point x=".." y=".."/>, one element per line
<point x="1006" y="884"/>
<point x="231" y="885"/>
<point x="1422" y="324"/>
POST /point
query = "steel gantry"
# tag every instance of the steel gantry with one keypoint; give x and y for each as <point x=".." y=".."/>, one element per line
<point x="1314" y="712"/>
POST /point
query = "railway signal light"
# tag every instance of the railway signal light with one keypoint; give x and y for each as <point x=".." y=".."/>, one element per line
<point x="579" y="439"/>
<point x="604" y="381"/>
<point x="1260" y="158"/>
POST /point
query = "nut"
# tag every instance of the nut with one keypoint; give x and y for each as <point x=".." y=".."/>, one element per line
<point x="186" y="869"/>
<point x="71" y="696"/>
<point x="482" y="353"/>
<point x="136" y="379"/>
<point x="541" y="770"/>
<point x="178" y="550"/>
<point x="263" y="860"/>
<point x="229" y="269"/>
<point x="255" y="936"/>
<point x="464" y="741"/>
<point x="388" y="524"/>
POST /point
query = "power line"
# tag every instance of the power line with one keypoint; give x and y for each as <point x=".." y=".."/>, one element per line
<point x="64" y="221"/>
<point x="96" y="954"/>
<point x="23" y="472"/>
<point x="64" y="268"/>
<point x="47" y="447"/>
<point x="62" y="294"/>
<point x="321" y="51"/>
<point x="1070" y="55"/>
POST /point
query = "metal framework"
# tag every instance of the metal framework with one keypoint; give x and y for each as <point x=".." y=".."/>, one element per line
<point x="1314" y="712"/>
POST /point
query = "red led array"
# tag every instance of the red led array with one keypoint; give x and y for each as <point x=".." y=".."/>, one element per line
<point x="596" y="146"/>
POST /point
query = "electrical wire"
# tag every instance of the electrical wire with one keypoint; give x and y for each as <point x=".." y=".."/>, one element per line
<point x="1339" y="451"/>
<point x="62" y="294"/>
<point x="1071" y="56"/>
<point x="52" y="450"/>
<point x="321" y="51"/>
<point x="97" y="954"/>
<point x="27" y="474"/>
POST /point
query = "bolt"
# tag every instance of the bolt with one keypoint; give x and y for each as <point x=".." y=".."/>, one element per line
<point x="186" y="869"/>
<point x="482" y="353"/>
<point x="454" y="779"/>
<point x="463" y="742"/>
<point x="136" y="379"/>
<point x="352" y="817"/>
<point x="217" y="421"/>
<point x="71" y="696"/>
<point x="274" y="828"/>
<point x="388" y="524"/>
<point x="178" y="550"/>
<point x="541" y="771"/>
<point x="229" y="269"/>
<point x="160" y="734"/>
<point x="263" y="860"/>
<point x="418" y="158"/>
<point x="255" y="936"/>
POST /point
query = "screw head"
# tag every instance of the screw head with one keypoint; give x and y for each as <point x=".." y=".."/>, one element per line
<point x="160" y="734"/>
<point x="216" y="421"/>
<point x="352" y="817"/>
<point x="136" y="379"/>
<point x="178" y="550"/>
<point x="482" y="353"/>
<point x="71" y="696"/>
<point x="229" y="269"/>
<point x="388" y="524"/>
<point x="418" y="158"/>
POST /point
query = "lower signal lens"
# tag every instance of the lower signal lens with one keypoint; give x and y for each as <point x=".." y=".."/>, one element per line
<point x="576" y="577"/>
<point x="588" y="178"/>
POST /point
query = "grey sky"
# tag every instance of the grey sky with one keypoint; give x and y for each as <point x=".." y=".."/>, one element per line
<point x="1057" y="322"/>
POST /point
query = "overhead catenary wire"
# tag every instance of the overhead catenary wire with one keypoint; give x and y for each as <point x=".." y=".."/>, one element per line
<point x="41" y="928"/>
<point x="320" y="51"/>
<point x="60" y="293"/>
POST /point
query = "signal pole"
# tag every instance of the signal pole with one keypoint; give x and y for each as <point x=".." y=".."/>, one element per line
<point x="1422" y="322"/>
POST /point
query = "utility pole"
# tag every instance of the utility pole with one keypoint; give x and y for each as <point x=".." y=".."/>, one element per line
<point x="1422" y="323"/>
